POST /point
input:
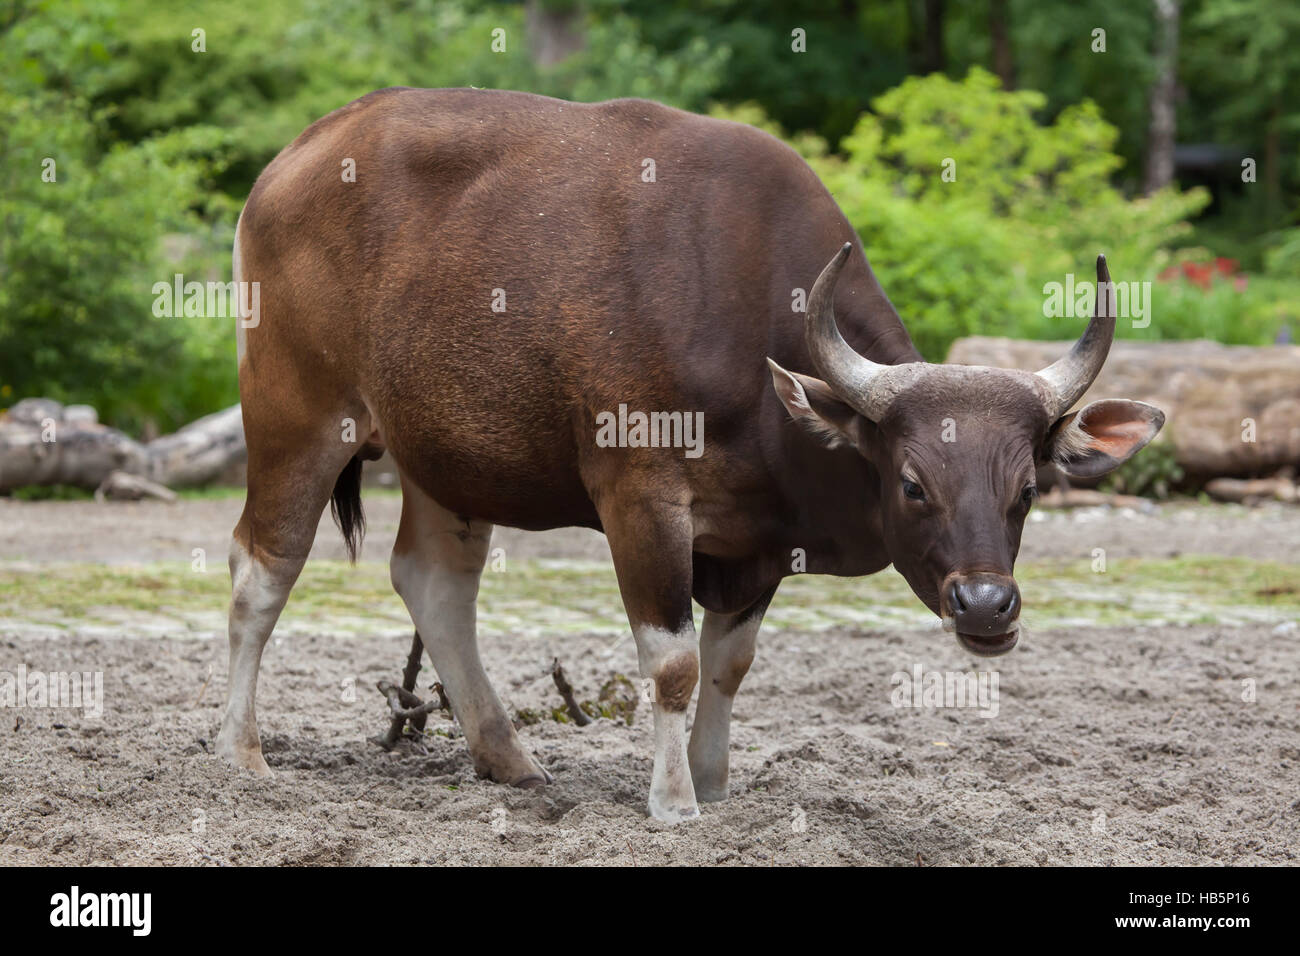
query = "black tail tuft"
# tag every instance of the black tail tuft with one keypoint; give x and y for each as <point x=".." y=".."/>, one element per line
<point x="345" y="506"/>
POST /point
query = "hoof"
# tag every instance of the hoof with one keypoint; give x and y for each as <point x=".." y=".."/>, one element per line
<point x="710" y="794"/>
<point x="533" y="781"/>
<point x="675" y="814"/>
<point x="250" y="760"/>
<point x="523" y="772"/>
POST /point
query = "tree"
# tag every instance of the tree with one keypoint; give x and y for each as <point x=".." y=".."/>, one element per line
<point x="1004" y="64"/>
<point x="1245" y="60"/>
<point x="1164" y="91"/>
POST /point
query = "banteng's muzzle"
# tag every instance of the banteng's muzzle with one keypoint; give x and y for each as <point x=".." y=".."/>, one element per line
<point x="984" y="610"/>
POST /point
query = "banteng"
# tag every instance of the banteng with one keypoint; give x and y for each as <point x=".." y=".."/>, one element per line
<point x="499" y="279"/>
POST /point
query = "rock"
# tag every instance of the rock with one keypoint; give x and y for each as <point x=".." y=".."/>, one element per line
<point x="80" y="415"/>
<point x="34" y="411"/>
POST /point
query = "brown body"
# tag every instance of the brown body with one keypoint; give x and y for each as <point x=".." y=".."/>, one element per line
<point x="612" y="296"/>
<point x="667" y="295"/>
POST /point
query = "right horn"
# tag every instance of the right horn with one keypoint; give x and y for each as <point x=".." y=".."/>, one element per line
<point x="851" y="375"/>
<point x="1068" y="378"/>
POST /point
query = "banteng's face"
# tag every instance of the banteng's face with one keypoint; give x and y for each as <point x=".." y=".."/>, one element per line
<point x="956" y="449"/>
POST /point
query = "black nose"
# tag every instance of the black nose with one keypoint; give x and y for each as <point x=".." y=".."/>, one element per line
<point x="984" y="604"/>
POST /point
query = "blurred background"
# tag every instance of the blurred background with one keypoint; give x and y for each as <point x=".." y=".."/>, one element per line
<point x="1169" y="140"/>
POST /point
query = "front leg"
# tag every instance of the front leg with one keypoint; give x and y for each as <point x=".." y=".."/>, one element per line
<point x="726" y="651"/>
<point x="651" y="545"/>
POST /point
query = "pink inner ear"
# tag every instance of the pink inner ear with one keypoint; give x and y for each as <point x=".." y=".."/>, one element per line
<point x="1113" y="428"/>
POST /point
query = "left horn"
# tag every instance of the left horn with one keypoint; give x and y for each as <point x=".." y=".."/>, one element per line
<point x="1068" y="378"/>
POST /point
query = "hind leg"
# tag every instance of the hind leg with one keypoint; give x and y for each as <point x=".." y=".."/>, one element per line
<point x="289" y="485"/>
<point x="436" y="564"/>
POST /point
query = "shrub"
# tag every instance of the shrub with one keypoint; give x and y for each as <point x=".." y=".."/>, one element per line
<point x="1027" y="203"/>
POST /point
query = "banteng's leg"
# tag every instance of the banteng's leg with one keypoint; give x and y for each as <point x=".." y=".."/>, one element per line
<point x="726" y="651"/>
<point x="651" y="545"/>
<point x="290" y="476"/>
<point x="436" y="564"/>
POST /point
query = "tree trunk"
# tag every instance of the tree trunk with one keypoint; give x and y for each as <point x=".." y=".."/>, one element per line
<point x="935" y="60"/>
<point x="1004" y="64"/>
<point x="1163" y="99"/>
<point x="925" y="36"/>
<point x="1273" y="161"/>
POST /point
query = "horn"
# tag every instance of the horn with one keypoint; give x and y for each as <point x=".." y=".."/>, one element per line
<point x="848" y="373"/>
<point x="1068" y="378"/>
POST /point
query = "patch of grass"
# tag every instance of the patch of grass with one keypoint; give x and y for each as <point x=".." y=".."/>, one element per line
<point x="51" y="493"/>
<point x="535" y="597"/>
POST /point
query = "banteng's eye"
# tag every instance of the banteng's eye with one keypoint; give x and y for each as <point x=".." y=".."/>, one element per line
<point x="912" y="491"/>
<point x="1028" y="495"/>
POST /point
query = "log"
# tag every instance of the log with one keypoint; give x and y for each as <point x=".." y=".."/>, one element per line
<point x="45" y="443"/>
<point x="199" y="452"/>
<point x="1216" y="398"/>
<point x="1067" y="498"/>
<point x="1248" y="491"/>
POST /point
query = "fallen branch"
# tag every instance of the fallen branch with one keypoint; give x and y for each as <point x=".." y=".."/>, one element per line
<point x="120" y="486"/>
<point x="566" y="691"/>
<point x="405" y="706"/>
<point x="204" y="689"/>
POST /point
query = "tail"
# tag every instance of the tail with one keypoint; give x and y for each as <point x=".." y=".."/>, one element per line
<point x="345" y="506"/>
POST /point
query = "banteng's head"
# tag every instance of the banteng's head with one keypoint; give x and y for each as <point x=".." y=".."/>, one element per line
<point x="957" y="448"/>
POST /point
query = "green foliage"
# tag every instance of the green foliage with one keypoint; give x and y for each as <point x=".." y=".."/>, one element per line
<point x="157" y="145"/>
<point x="1054" y="53"/>
<point x="1284" y="258"/>
<point x="1150" y="473"/>
<point x="1251" y="103"/>
<point x="1025" y="203"/>
<point x="853" y="51"/>
<point x="51" y="493"/>
<point x="78" y="256"/>
<point x="1253" y="315"/>
<point x="85" y="220"/>
<point x="272" y="69"/>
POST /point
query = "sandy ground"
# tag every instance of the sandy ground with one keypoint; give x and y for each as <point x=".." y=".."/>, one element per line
<point x="1109" y="745"/>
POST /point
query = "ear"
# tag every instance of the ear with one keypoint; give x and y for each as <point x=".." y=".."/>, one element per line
<point x="1102" y="436"/>
<point x="813" y="404"/>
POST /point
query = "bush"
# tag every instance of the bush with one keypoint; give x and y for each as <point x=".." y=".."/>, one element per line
<point x="1150" y="474"/>
<point x="160" y="144"/>
<point x="1027" y="204"/>
<point x="78" y="256"/>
